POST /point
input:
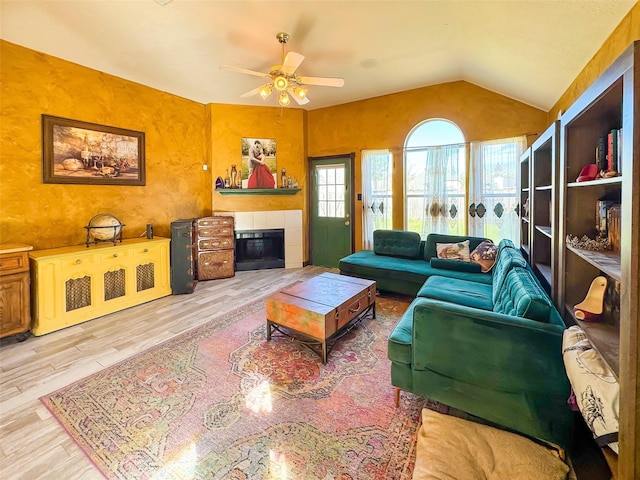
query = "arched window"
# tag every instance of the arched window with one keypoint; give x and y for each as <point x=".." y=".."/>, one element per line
<point x="435" y="178"/>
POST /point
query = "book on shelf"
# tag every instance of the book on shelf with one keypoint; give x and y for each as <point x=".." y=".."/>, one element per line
<point x="613" y="150"/>
<point x="619" y="152"/>
<point x="601" y="155"/>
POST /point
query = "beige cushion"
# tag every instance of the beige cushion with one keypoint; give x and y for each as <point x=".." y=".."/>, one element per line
<point x="450" y="448"/>
<point x="454" y="251"/>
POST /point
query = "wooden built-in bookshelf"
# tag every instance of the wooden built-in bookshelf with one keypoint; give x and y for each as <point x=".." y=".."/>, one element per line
<point x="609" y="104"/>
<point x="559" y="206"/>
<point x="544" y="205"/>
<point x="523" y="189"/>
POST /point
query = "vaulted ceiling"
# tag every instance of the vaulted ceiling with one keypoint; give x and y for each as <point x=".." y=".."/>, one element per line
<point x="529" y="50"/>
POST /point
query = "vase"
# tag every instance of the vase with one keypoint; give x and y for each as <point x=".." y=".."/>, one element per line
<point x="234" y="176"/>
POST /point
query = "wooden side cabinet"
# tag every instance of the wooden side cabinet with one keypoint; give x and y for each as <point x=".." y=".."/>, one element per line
<point x="15" y="311"/>
<point x="78" y="283"/>
<point x="215" y="243"/>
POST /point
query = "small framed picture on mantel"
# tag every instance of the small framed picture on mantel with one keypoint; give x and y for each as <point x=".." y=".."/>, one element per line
<point x="87" y="153"/>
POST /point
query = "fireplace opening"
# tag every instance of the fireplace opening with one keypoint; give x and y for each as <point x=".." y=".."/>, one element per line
<point x="260" y="249"/>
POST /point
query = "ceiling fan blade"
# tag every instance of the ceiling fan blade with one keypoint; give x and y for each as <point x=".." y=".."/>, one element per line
<point x="300" y="101"/>
<point x="244" y="70"/>
<point x="251" y="93"/>
<point x="322" y="81"/>
<point x="291" y="62"/>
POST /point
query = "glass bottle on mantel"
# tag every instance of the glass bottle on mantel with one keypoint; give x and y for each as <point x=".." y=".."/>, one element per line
<point x="226" y="178"/>
<point x="234" y="175"/>
<point x="283" y="178"/>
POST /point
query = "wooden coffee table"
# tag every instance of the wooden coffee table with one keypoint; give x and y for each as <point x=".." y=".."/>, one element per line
<point x="319" y="311"/>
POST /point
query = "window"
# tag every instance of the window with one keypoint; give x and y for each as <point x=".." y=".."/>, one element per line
<point x="435" y="179"/>
<point x="377" y="169"/>
<point x="331" y="190"/>
<point x="492" y="188"/>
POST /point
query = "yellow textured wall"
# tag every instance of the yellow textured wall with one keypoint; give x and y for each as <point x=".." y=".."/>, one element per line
<point x="385" y="122"/>
<point x="53" y="215"/>
<point x="627" y="31"/>
<point x="229" y="124"/>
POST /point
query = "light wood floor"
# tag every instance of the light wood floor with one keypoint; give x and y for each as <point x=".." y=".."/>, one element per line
<point x="32" y="444"/>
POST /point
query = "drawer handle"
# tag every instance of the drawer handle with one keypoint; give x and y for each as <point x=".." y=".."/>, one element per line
<point x="145" y="250"/>
<point x="115" y="255"/>
<point x="225" y="261"/>
<point x="78" y="262"/>
<point x="354" y="310"/>
<point x="206" y="264"/>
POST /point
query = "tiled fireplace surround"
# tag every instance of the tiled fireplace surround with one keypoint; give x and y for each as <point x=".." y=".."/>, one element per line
<point x="290" y="220"/>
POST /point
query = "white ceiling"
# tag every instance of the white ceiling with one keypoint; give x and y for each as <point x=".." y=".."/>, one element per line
<point x="529" y="50"/>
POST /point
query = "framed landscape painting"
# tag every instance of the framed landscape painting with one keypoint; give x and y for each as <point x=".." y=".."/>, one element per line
<point x="259" y="167"/>
<point x="87" y="153"/>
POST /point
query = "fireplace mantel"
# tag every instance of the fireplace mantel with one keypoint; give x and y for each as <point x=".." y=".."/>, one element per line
<point x="258" y="191"/>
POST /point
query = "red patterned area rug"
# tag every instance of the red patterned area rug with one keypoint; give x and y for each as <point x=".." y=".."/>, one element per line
<point x="220" y="402"/>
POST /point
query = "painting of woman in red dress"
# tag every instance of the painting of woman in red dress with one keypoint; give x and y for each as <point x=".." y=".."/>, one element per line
<point x="260" y="175"/>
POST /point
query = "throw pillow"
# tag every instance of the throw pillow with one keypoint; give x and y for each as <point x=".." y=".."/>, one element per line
<point x="485" y="255"/>
<point x="454" y="251"/>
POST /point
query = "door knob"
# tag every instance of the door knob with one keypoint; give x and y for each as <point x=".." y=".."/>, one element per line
<point x="347" y="222"/>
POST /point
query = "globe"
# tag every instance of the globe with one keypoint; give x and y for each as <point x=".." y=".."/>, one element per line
<point x="104" y="227"/>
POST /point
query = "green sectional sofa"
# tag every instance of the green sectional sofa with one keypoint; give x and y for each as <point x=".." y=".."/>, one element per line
<point x="489" y="344"/>
<point x="400" y="262"/>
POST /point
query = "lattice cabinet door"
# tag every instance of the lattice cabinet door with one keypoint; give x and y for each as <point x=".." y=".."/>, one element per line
<point x="114" y="266"/>
<point x="147" y="265"/>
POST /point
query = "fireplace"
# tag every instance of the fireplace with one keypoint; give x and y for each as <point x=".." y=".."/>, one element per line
<point x="259" y="249"/>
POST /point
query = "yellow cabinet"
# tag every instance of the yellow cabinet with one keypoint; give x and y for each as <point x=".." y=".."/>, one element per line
<point x="75" y="284"/>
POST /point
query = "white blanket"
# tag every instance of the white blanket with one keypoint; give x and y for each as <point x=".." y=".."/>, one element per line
<point x="596" y="389"/>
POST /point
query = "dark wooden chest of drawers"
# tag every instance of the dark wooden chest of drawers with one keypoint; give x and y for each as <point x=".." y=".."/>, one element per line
<point x="215" y="244"/>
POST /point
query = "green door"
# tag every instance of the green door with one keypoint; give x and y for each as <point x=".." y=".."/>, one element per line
<point x="331" y="205"/>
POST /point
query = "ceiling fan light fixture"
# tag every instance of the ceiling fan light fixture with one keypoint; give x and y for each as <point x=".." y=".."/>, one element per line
<point x="284" y="99"/>
<point x="300" y="92"/>
<point x="280" y="82"/>
<point x="265" y="91"/>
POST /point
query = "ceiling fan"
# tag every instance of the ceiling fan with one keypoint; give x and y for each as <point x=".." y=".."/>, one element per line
<point x="284" y="79"/>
